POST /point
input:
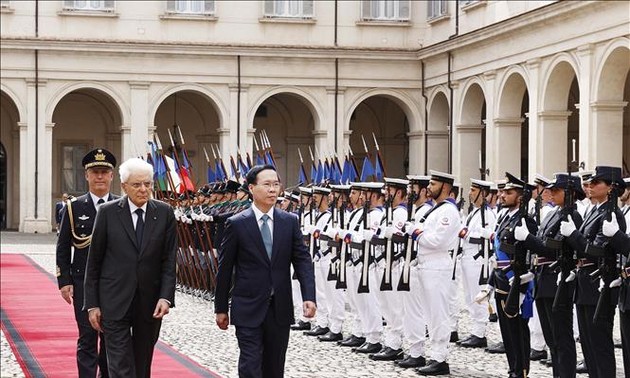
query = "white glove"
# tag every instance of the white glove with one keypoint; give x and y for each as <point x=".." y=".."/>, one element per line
<point x="567" y="227"/>
<point x="332" y="232"/>
<point x="521" y="231"/>
<point x="357" y="236"/>
<point x="308" y="228"/>
<point x="411" y="228"/>
<point x="610" y="228"/>
<point x="486" y="233"/>
<point x="367" y="234"/>
<point x="387" y="232"/>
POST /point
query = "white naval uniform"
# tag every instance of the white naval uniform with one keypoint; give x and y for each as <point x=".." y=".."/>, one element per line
<point x="471" y="267"/>
<point x="336" y="297"/>
<point x="367" y="305"/>
<point x="321" y="266"/>
<point x="435" y="243"/>
<point x="414" y="325"/>
<point x="352" y="281"/>
<point x="390" y="302"/>
<point x="296" y="292"/>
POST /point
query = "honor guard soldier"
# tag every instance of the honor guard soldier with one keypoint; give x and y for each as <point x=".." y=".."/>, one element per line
<point x="75" y="235"/>
<point x="584" y="205"/>
<point x="478" y="228"/>
<point x="306" y="215"/>
<point x="414" y="326"/>
<point x="436" y="239"/>
<point x="597" y="258"/>
<point x="553" y="297"/>
<point x="510" y="279"/>
<point x="367" y="304"/>
<point x="390" y="236"/>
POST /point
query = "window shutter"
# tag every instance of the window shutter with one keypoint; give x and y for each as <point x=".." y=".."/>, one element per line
<point x="366" y="8"/>
<point x="209" y="6"/>
<point x="68" y="4"/>
<point x="307" y="7"/>
<point x="269" y="7"/>
<point x="443" y="7"/>
<point x="404" y="9"/>
<point x="170" y="6"/>
<point x="109" y="4"/>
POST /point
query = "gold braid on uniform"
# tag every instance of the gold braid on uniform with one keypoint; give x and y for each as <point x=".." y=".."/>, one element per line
<point x="77" y="241"/>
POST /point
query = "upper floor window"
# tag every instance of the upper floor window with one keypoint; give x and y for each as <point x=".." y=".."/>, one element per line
<point x="289" y="8"/>
<point x="89" y="5"/>
<point x="385" y="10"/>
<point x="437" y="8"/>
<point x="5" y="4"/>
<point x="190" y="6"/>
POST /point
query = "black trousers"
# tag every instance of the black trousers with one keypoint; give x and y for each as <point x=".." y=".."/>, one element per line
<point x="516" y="339"/>
<point x="557" y="327"/>
<point x="597" y="342"/>
<point x="263" y="348"/>
<point x="130" y="342"/>
<point x="624" y="322"/>
<point x="90" y="352"/>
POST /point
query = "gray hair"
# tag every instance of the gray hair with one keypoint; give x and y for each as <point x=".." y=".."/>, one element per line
<point x="135" y="166"/>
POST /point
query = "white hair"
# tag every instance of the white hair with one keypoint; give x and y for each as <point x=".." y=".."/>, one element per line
<point x="135" y="166"/>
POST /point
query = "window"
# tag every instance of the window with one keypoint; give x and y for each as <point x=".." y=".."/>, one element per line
<point x="72" y="172"/>
<point x="437" y="8"/>
<point x="89" y="5"/>
<point x="385" y="10"/>
<point x="289" y="8"/>
<point x="190" y="6"/>
<point x="5" y="4"/>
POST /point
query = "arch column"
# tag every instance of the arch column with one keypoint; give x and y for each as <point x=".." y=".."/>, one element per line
<point x="587" y="133"/>
<point x="507" y="146"/>
<point x="468" y="137"/>
<point x="26" y="198"/>
<point x="229" y="141"/>
<point x="321" y="142"/>
<point x="416" y="152"/>
<point x="607" y="141"/>
<point x="536" y="160"/>
<point x="490" y="78"/>
<point x="138" y="132"/>
<point x="225" y="142"/>
<point x="551" y="149"/>
<point x="330" y="95"/>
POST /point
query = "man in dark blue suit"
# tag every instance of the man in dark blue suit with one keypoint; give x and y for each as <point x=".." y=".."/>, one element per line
<point x="259" y="245"/>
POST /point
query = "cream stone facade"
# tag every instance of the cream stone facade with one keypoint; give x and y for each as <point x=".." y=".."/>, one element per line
<point x="443" y="85"/>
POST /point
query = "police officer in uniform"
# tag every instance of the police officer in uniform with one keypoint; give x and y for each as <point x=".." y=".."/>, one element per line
<point x="75" y="233"/>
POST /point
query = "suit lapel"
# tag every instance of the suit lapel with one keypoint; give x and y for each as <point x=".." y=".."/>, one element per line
<point x="254" y="231"/>
<point x="125" y="218"/>
<point x="150" y="218"/>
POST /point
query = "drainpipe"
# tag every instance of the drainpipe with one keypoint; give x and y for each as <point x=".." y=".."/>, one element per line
<point x="426" y="123"/>
<point x="450" y="115"/>
<point x="36" y="109"/>
<point x="238" y="102"/>
<point x="456" y="20"/>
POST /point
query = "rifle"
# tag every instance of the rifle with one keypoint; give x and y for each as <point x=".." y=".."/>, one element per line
<point x="364" y="283"/>
<point x="518" y="254"/>
<point x="333" y="244"/>
<point x="343" y="253"/>
<point x="386" y="281"/>
<point x="606" y="267"/>
<point x="403" y="282"/>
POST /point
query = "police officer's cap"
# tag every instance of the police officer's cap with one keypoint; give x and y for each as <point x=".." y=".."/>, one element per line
<point x="444" y="177"/>
<point x="340" y="188"/>
<point x="232" y="186"/>
<point x="541" y="180"/>
<point x="563" y="181"/>
<point x="513" y="182"/>
<point x="99" y="157"/>
<point x="609" y="175"/>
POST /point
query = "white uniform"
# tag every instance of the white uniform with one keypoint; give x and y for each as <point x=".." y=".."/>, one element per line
<point x="351" y="278"/>
<point x="435" y="243"/>
<point x="295" y="284"/>
<point x="321" y="266"/>
<point x="472" y="264"/>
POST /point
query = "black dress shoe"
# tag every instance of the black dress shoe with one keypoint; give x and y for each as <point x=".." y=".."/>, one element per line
<point x="497" y="348"/>
<point x="493" y="318"/>
<point x="536" y="355"/>
<point x="581" y="368"/>
<point x="352" y="341"/>
<point x="301" y="326"/>
<point x="434" y="368"/>
<point x="458" y="342"/>
<point x="317" y="331"/>
<point x="454" y="337"/>
<point x="474" y="342"/>
<point x="367" y="348"/>
<point x="411" y="362"/>
<point x="387" y="354"/>
<point x="330" y="336"/>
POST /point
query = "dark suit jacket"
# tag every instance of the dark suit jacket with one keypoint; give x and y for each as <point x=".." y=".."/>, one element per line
<point x="83" y="212"/>
<point x="243" y="251"/>
<point x="117" y="267"/>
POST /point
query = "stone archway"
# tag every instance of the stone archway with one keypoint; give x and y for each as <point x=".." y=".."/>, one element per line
<point x="9" y="164"/>
<point x="471" y="130"/>
<point x="437" y="133"/>
<point x="510" y="144"/>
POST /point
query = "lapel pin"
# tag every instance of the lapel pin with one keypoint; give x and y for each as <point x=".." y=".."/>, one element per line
<point x="154" y="218"/>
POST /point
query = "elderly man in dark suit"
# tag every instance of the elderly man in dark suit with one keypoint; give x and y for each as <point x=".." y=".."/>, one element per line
<point x="259" y="245"/>
<point x="130" y="274"/>
<point x="75" y="232"/>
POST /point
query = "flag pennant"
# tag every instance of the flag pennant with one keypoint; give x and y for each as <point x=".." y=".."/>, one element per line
<point x="379" y="169"/>
<point x="367" y="170"/>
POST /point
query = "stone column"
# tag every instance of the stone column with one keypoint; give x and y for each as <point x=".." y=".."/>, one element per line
<point x="26" y="178"/>
<point x="238" y="130"/>
<point x="134" y="136"/>
<point x="507" y="146"/>
<point x="341" y="145"/>
<point x="587" y="133"/>
<point x="551" y="150"/>
<point x="537" y="136"/>
<point x="468" y="147"/>
<point x="491" y="153"/>
<point x="607" y="143"/>
<point x="416" y="152"/>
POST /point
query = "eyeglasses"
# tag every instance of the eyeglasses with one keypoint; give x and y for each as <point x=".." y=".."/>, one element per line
<point x="270" y="185"/>
<point x="138" y="185"/>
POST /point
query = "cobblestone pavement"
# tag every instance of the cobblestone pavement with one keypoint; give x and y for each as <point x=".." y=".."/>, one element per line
<point x="190" y="329"/>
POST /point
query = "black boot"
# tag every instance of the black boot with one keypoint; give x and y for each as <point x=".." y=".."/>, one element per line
<point x="536" y="355"/>
<point x="497" y="348"/>
<point x="367" y="348"/>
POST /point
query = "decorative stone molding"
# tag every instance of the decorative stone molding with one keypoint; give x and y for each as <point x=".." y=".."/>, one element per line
<point x="189" y="17"/>
<point x="139" y="84"/>
<point x="331" y="90"/>
<point x="490" y="75"/>
<point x="602" y="106"/>
<point x="508" y="122"/>
<point x="554" y="114"/>
<point x="469" y="128"/>
<point x="319" y="133"/>
<point x="415" y="134"/>
<point x="436" y="133"/>
<point x="223" y="131"/>
<point x="287" y="20"/>
<point x="401" y="23"/>
<point x="233" y="87"/>
<point x="473" y="5"/>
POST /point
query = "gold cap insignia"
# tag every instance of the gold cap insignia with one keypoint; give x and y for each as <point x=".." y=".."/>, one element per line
<point x="99" y="156"/>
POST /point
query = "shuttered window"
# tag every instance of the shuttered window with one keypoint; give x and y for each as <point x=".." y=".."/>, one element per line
<point x="436" y="8"/>
<point x="89" y="5"/>
<point x="190" y="6"/>
<point x="289" y="8"/>
<point x="385" y="10"/>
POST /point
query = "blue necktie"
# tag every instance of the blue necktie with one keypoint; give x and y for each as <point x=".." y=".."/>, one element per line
<point x="266" y="235"/>
<point x="139" y="226"/>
